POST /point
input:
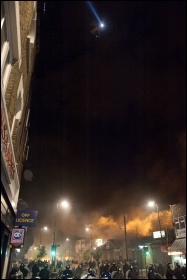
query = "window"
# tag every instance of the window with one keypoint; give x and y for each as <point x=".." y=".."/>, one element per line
<point x="4" y="206"/>
<point x="5" y="46"/>
<point x="182" y="222"/>
<point x="3" y="27"/>
<point x="10" y="38"/>
<point x="176" y="223"/>
<point x="179" y="223"/>
<point x="31" y="37"/>
<point x="17" y="111"/>
<point x="26" y="151"/>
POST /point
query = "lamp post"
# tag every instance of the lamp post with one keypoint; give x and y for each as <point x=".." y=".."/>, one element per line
<point x="90" y="229"/>
<point x="41" y="230"/>
<point x="68" y="240"/>
<point x="152" y="204"/>
<point x="125" y="231"/>
<point x="63" y="204"/>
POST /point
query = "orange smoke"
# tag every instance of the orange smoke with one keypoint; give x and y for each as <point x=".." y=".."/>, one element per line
<point x="145" y="227"/>
<point x="108" y="227"/>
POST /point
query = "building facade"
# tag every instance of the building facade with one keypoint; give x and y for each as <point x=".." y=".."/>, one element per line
<point x="18" y="51"/>
<point x="178" y="248"/>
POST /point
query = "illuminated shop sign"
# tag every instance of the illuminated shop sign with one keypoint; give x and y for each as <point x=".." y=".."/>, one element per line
<point x="17" y="237"/>
<point x="26" y="218"/>
<point x="99" y="242"/>
<point x="157" y="234"/>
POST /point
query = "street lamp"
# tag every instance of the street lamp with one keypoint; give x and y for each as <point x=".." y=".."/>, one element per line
<point x="125" y="235"/>
<point x="68" y="240"/>
<point x="64" y="204"/>
<point x="41" y="230"/>
<point x="125" y="231"/>
<point x="152" y="204"/>
<point x="90" y="229"/>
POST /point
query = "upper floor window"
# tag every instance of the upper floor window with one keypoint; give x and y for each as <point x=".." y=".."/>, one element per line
<point x="3" y="27"/>
<point x="18" y="109"/>
<point x="5" y="45"/>
<point x="180" y="222"/>
<point x="10" y="38"/>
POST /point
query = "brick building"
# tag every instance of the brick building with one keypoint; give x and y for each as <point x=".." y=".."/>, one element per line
<point x="18" y="52"/>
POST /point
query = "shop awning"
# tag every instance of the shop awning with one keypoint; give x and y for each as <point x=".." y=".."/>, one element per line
<point x="179" y="245"/>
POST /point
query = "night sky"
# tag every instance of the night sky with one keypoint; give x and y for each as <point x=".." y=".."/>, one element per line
<point x="107" y="123"/>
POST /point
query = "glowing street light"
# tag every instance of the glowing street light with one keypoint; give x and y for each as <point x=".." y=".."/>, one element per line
<point x="63" y="204"/>
<point x="41" y="230"/>
<point x="68" y="240"/>
<point x="152" y="204"/>
<point x="89" y="228"/>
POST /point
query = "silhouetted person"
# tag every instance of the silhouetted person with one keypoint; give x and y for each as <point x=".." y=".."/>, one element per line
<point x="178" y="272"/>
<point x="125" y="269"/>
<point x="78" y="272"/>
<point x="35" y="270"/>
<point x="169" y="271"/>
<point x="118" y="274"/>
<point x="132" y="273"/>
<point x="160" y="269"/>
<point x="151" y="272"/>
<point x="23" y="270"/>
<point x="44" y="273"/>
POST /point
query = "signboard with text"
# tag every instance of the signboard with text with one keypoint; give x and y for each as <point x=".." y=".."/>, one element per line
<point x="27" y="218"/>
<point x="17" y="237"/>
<point x="157" y="234"/>
<point x="99" y="242"/>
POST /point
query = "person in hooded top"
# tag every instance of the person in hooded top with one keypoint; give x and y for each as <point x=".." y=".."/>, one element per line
<point x="118" y="274"/>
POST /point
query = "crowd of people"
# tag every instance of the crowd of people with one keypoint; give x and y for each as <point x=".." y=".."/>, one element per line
<point x="103" y="270"/>
<point x="158" y="272"/>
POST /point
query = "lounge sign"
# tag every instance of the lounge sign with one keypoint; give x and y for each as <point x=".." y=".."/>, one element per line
<point x="27" y="218"/>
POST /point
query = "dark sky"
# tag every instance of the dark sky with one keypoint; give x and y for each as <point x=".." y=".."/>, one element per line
<point x="107" y="124"/>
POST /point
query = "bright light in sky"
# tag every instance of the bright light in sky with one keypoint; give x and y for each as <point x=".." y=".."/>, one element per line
<point x="151" y="203"/>
<point x="65" y="204"/>
<point x="102" y="25"/>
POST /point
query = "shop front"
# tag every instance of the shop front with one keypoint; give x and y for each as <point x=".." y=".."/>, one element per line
<point x="177" y="251"/>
